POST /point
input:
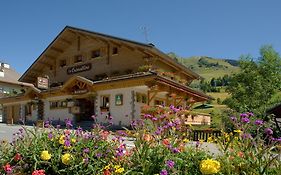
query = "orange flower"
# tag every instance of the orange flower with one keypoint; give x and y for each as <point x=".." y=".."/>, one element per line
<point x="104" y="134"/>
<point x="67" y="132"/>
<point x="166" y="142"/>
<point x="240" y="154"/>
<point x="147" y="137"/>
<point x="106" y="172"/>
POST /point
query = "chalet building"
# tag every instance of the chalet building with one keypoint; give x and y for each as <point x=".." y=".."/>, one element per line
<point x="83" y="73"/>
<point x="10" y="86"/>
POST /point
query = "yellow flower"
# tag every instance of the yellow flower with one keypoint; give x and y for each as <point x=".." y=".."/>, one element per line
<point x="118" y="169"/>
<point x="185" y="140"/>
<point x="73" y="140"/>
<point x="210" y="139"/>
<point x="107" y="167"/>
<point x="66" y="158"/>
<point x="61" y="140"/>
<point x="237" y="131"/>
<point x="45" y="155"/>
<point x="209" y="166"/>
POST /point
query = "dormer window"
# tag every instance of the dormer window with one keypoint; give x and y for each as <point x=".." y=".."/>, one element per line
<point x="62" y="63"/>
<point x="96" y="53"/>
<point x="114" y="50"/>
<point x="78" y="58"/>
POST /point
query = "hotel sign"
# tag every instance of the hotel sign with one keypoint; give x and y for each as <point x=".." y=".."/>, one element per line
<point x="79" y="68"/>
<point x="42" y="83"/>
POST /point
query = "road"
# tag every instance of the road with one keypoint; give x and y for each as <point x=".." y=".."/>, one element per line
<point x="7" y="131"/>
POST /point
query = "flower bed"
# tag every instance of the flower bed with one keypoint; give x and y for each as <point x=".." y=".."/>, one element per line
<point x="160" y="148"/>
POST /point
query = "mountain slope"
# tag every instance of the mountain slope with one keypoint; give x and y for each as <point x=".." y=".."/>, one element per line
<point x="208" y="67"/>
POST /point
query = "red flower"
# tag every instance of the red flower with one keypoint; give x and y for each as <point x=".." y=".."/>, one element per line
<point x="17" y="157"/>
<point x="166" y="142"/>
<point x="38" y="172"/>
<point x="106" y="172"/>
<point x="8" y="168"/>
<point x="104" y="134"/>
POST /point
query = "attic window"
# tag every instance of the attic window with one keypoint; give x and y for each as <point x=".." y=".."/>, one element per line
<point x="62" y="63"/>
<point x="114" y="50"/>
<point x="96" y="53"/>
<point x="78" y="58"/>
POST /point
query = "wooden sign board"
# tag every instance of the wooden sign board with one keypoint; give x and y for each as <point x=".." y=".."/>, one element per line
<point x="42" y="83"/>
<point x="79" y="68"/>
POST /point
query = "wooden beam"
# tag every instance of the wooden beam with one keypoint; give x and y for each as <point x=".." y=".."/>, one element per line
<point x="115" y="43"/>
<point x="151" y="98"/>
<point x="65" y="41"/>
<point x="50" y="57"/>
<point x="180" y="100"/>
<point x="57" y="49"/>
<point x="44" y="63"/>
<point x="36" y="70"/>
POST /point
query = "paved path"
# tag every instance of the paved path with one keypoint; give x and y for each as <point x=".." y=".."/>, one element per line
<point x="7" y="131"/>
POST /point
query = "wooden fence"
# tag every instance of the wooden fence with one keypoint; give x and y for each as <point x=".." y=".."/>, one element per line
<point x="197" y="135"/>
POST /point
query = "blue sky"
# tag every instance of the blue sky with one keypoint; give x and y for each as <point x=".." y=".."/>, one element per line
<point x="216" y="28"/>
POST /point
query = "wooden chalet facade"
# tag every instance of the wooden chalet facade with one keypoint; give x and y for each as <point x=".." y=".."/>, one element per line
<point x="83" y="73"/>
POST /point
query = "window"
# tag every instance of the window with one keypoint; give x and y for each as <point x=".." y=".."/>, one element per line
<point x="62" y="63"/>
<point x="58" y="104"/>
<point x="119" y="99"/>
<point x="141" y="98"/>
<point x="159" y="102"/>
<point x="96" y="53"/>
<point x="78" y="58"/>
<point x="114" y="50"/>
<point x="105" y="101"/>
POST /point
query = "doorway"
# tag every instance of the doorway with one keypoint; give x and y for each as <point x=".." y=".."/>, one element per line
<point x="87" y="109"/>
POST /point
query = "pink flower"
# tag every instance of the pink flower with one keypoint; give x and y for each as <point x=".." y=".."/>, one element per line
<point x="8" y="168"/>
<point x="38" y="172"/>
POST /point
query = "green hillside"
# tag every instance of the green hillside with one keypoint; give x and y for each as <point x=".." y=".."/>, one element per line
<point x="208" y="67"/>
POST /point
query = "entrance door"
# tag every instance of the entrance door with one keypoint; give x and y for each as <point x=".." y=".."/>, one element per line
<point x="87" y="109"/>
<point x="12" y="114"/>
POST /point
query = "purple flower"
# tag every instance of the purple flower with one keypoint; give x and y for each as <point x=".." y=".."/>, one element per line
<point x="164" y="172"/>
<point x="277" y="139"/>
<point x="67" y="143"/>
<point x="268" y="131"/>
<point x="122" y="133"/>
<point x="175" y="150"/>
<point x="110" y="117"/>
<point x="93" y="117"/>
<point x="170" y="164"/>
<point x="245" y="120"/>
<point x="258" y="122"/>
<point x="246" y="136"/>
<point x="154" y="119"/>
<point x="244" y="115"/>
<point x="50" y="135"/>
<point x="133" y="123"/>
<point x="47" y="124"/>
<point x="170" y="124"/>
<point x="86" y="150"/>
<point x="147" y="116"/>
<point x="233" y="118"/>
<point x="250" y="114"/>
<point x="98" y="155"/>
<point x="86" y="160"/>
<point x="68" y="123"/>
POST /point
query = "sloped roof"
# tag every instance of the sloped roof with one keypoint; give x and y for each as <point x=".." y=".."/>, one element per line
<point x="11" y="76"/>
<point x="149" y="47"/>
